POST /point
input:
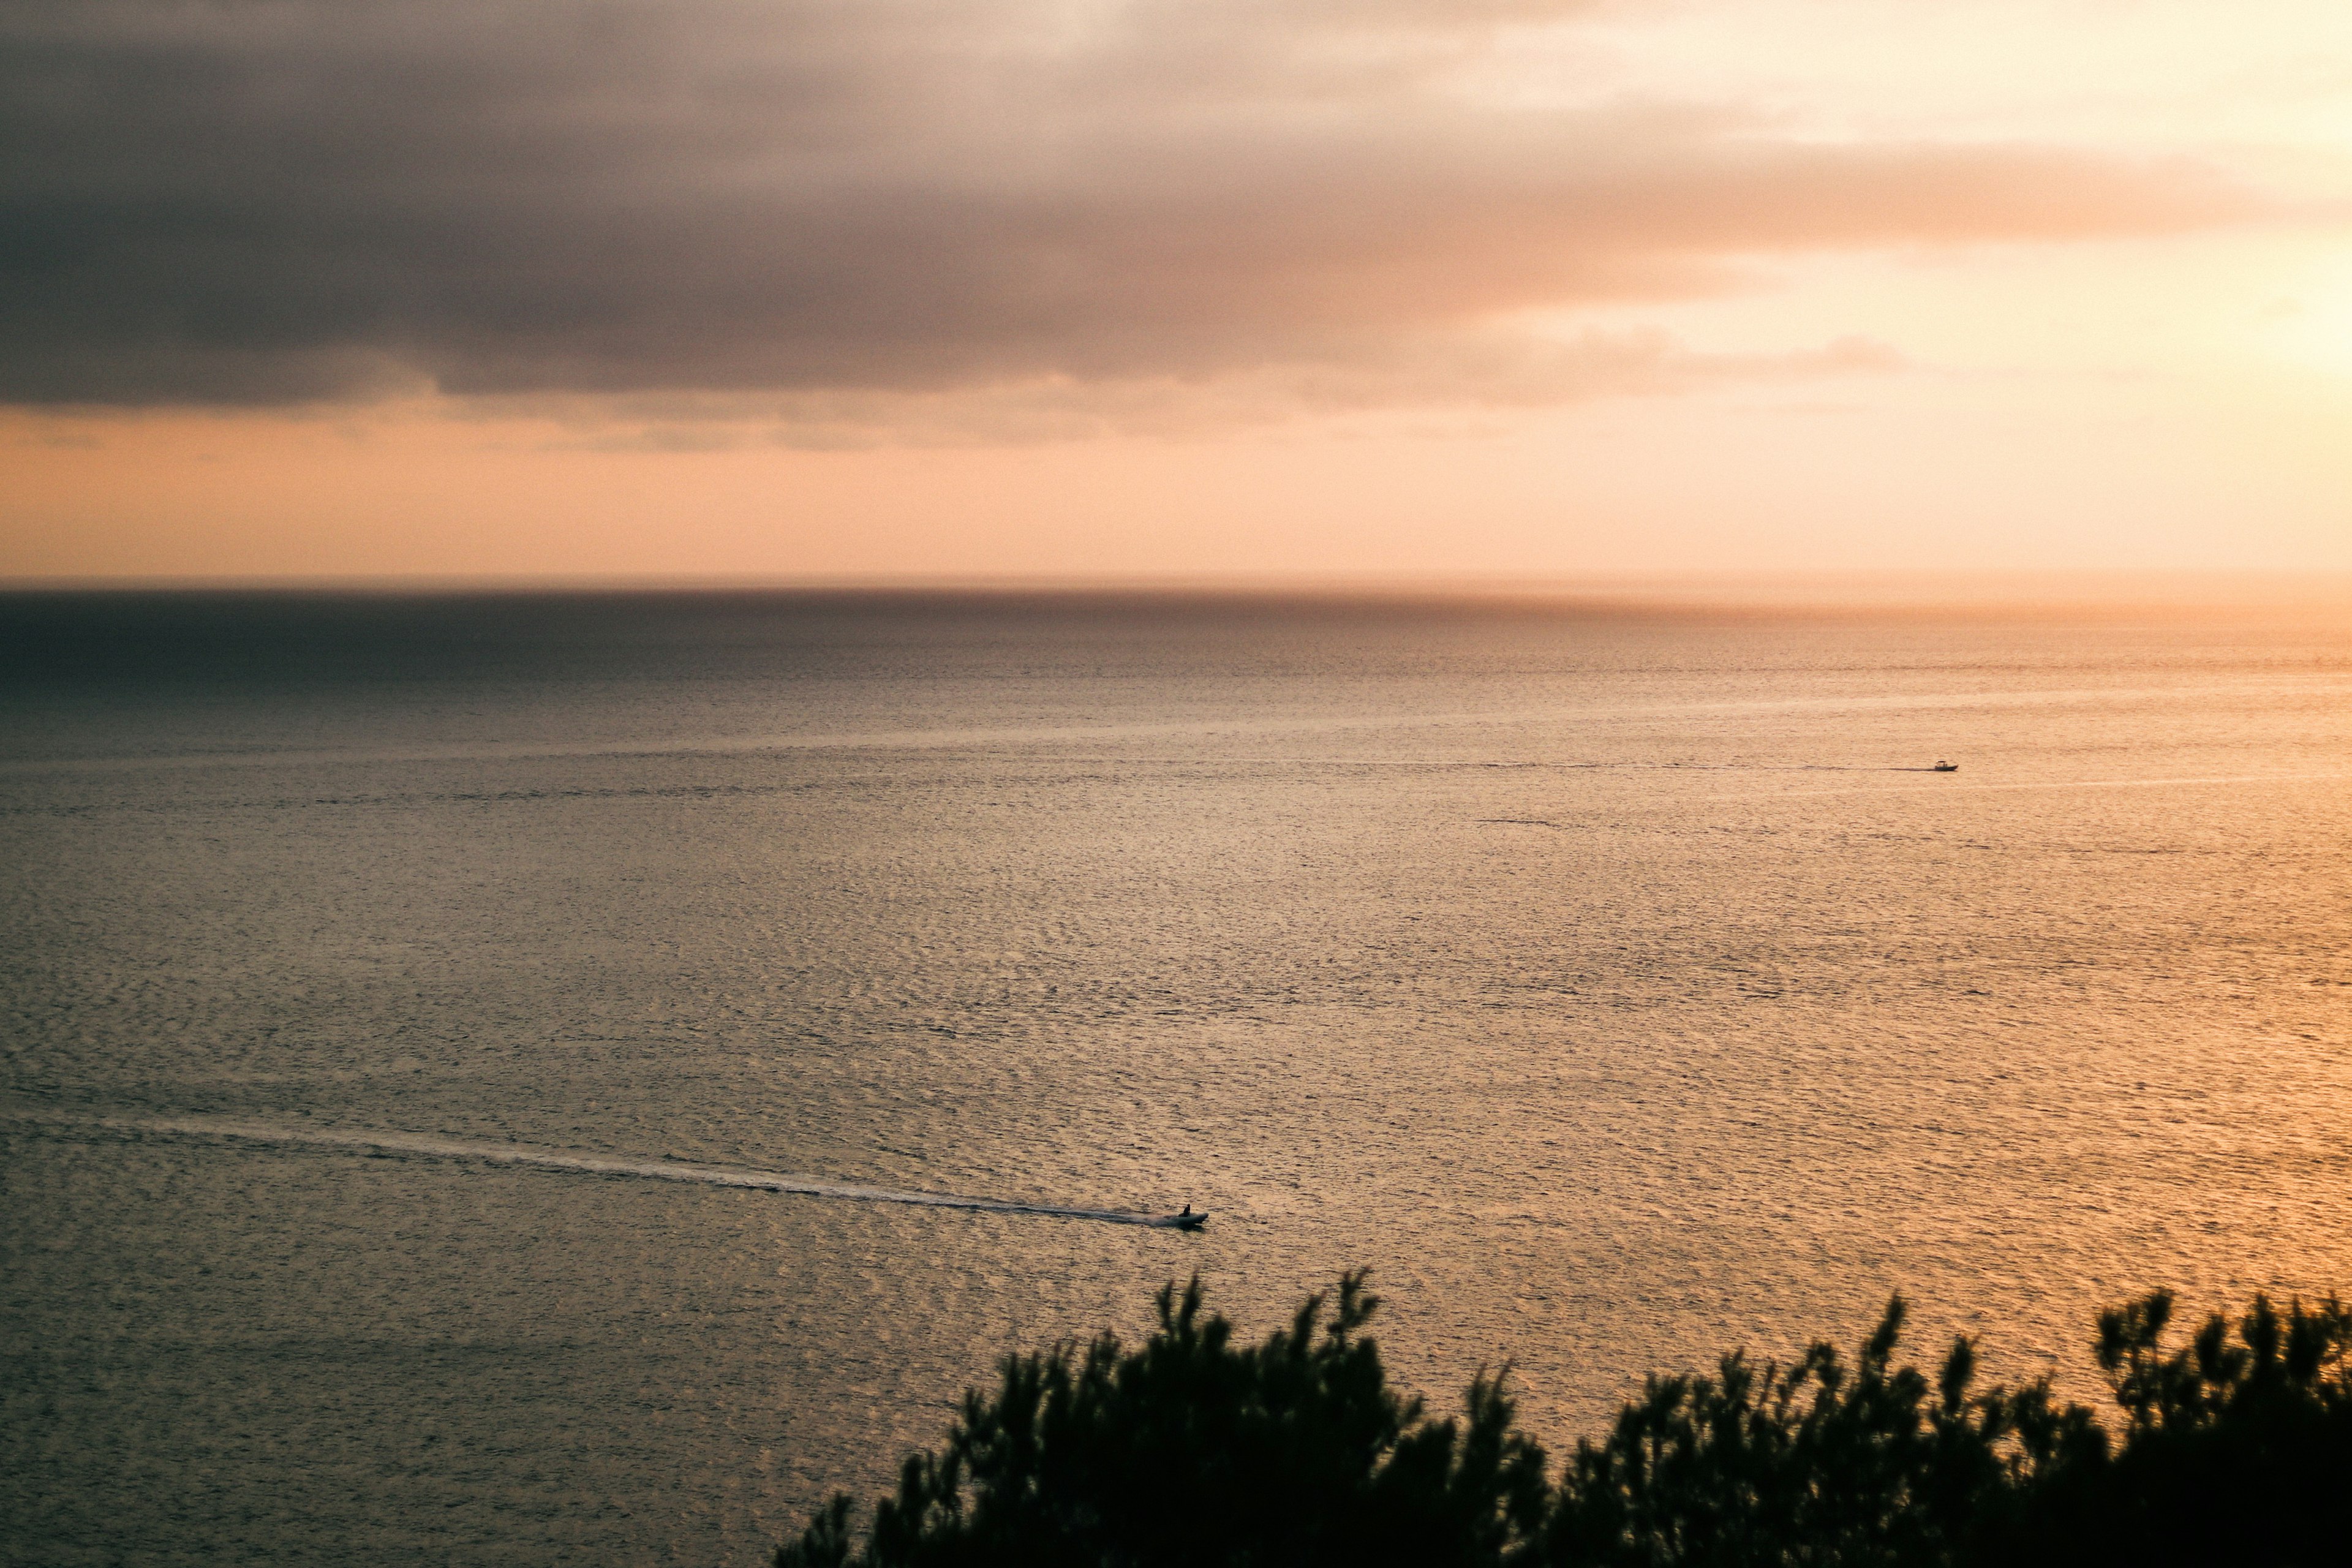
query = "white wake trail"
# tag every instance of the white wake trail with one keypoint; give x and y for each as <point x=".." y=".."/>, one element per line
<point x="584" y="1164"/>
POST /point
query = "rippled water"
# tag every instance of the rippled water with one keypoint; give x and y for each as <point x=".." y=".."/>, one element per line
<point x="1616" y="986"/>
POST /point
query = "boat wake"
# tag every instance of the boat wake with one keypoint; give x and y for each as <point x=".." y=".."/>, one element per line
<point x="418" y="1145"/>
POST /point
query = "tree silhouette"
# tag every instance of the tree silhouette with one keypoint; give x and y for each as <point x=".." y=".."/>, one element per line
<point x="2235" y="1450"/>
<point x="1193" y="1450"/>
<point x="1811" y="1462"/>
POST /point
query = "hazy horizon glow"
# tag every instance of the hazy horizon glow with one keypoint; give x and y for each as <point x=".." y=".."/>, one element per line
<point x="1133" y="291"/>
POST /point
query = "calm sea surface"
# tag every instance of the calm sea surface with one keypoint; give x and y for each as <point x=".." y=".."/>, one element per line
<point x="1617" y="987"/>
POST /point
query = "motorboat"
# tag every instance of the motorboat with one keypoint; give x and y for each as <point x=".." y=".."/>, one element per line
<point x="1190" y="1219"/>
<point x="1944" y="767"/>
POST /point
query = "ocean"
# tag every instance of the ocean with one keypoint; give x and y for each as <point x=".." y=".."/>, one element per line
<point x="467" y="1058"/>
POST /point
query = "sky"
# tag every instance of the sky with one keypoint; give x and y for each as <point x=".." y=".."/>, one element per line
<point x="875" y="290"/>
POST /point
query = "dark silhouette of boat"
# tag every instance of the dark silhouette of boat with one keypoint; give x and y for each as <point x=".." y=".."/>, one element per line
<point x="1188" y="1220"/>
<point x="1944" y="767"/>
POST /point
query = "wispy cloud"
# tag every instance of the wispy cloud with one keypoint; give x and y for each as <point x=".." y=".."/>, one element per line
<point x="1490" y="370"/>
<point x="1064" y="215"/>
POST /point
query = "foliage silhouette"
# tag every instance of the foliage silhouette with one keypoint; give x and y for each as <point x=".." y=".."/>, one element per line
<point x="1812" y="1462"/>
<point x="2233" y="1452"/>
<point x="1194" y="1451"/>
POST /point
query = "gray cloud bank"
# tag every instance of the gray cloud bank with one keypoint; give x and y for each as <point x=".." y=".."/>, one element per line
<point x="275" y="201"/>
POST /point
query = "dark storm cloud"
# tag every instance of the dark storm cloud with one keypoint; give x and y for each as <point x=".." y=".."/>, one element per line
<point x="258" y="200"/>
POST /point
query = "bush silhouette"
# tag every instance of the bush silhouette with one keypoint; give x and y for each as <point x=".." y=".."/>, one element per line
<point x="1194" y="1451"/>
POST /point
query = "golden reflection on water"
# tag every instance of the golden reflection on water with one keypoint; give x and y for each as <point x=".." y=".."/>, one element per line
<point x="1330" y="927"/>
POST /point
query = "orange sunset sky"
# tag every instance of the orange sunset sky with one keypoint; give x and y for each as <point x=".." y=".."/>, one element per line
<point x="809" y="290"/>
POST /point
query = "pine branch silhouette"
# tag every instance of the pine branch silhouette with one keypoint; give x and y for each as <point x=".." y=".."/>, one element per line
<point x="1195" y="1449"/>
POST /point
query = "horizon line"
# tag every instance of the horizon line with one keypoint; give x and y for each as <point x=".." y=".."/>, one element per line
<point x="1921" y="589"/>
